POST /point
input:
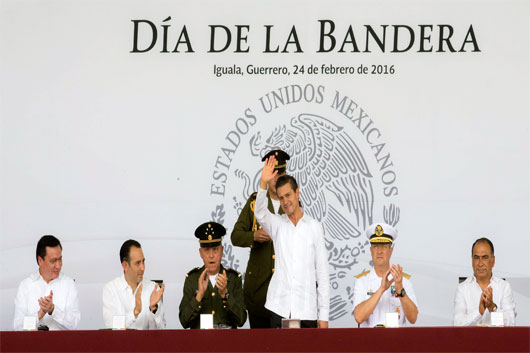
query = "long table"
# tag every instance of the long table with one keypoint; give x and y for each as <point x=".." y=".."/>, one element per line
<point x="409" y="339"/>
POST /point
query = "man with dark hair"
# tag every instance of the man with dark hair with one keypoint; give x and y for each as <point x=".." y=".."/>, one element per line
<point x="483" y="293"/>
<point x="484" y="240"/>
<point x="299" y="288"/>
<point x="212" y="289"/>
<point x="126" y="295"/>
<point x="248" y="233"/>
<point x="125" y="249"/>
<point x="287" y="179"/>
<point x="48" y="295"/>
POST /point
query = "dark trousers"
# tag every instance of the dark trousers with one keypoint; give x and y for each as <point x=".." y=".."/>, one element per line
<point x="259" y="321"/>
<point x="276" y="322"/>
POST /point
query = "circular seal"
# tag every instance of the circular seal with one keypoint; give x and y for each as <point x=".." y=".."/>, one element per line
<point x="343" y="167"/>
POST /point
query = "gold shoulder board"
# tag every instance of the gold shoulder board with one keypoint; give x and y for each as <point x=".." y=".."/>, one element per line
<point x="193" y="270"/>
<point x="228" y="269"/>
<point x="362" y="274"/>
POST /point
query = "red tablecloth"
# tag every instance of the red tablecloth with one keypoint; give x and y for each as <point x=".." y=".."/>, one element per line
<point x="410" y="339"/>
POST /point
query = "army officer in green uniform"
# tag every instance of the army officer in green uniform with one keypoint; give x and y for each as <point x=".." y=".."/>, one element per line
<point x="212" y="289"/>
<point x="248" y="233"/>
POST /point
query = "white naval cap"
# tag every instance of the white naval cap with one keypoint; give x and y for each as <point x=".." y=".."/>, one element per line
<point x="381" y="233"/>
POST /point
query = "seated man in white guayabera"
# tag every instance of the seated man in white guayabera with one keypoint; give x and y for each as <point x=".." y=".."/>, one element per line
<point x="48" y="296"/>
<point x="483" y="293"/>
<point x="128" y="295"/>
<point x="384" y="289"/>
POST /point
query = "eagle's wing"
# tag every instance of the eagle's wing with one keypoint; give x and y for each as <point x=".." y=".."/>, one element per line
<point x="326" y="161"/>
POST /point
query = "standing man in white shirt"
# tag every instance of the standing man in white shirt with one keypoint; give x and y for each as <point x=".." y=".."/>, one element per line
<point x="47" y="295"/>
<point x="128" y="295"/>
<point x="299" y="288"/>
<point x="484" y="293"/>
<point x="384" y="289"/>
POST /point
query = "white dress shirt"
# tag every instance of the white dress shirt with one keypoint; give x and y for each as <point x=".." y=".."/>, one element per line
<point x="299" y="287"/>
<point x="467" y="298"/>
<point x="366" y="286"/>
<point x="65" y="314"/>
<point x="119" y="300"/>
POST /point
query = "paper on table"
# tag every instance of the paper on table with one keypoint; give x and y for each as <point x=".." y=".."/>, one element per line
<point x="497" y="319"/>
<point x="392" y="320"/>
<point x="206" y="321"/>
<point x="30" y="323"/>
<point x="118" y="322"/>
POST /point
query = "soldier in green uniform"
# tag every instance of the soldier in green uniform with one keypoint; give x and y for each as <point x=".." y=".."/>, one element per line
<point x="248" y="233"/>
<point x="212" y="289"/>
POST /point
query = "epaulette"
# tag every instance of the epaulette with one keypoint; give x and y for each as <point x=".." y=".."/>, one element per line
<point x="406" y="275"/>
<point x="362" y="274"/>
<point x="196" y="269"/>
<point x="252" y="200"/>
<point x="228" y="269"/>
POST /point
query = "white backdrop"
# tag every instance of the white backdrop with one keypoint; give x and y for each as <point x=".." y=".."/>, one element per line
<point x="99" y="145"/>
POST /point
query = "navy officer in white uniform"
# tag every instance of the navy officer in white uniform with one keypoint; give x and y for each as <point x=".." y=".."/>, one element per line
<point x="385" y="288"/>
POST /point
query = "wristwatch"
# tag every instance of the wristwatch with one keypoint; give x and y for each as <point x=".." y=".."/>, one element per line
<point x="494" y="308"/>
<point x="402" y="293"/>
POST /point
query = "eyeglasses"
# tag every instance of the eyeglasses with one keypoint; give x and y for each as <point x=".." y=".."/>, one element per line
<point x="381" y="246"/>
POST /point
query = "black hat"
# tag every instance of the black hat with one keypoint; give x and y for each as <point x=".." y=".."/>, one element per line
<point x="210" y="234"/>
<point x="281" y="159"/>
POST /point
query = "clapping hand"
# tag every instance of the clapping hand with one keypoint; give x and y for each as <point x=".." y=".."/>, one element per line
<point x="46" y="305"/>
<point x="156" y="295"/>
<point x="203" y="285"/>
<point x="221" y="282"/>
<point x="487" y="298"/>
<point x="385" y="282"/>
<point x="138" y="301"/>
<point x="397" y="274"/>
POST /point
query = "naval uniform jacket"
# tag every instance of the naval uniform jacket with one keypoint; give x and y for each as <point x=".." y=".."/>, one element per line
<point x="365" y="286"/>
